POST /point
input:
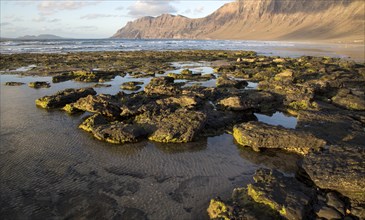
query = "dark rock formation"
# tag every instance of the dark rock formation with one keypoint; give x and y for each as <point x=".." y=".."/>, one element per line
<point x="339" y="168"/>
<point x="162" y="86"/>
<point x="133" y="86"/>
<point x="61" y="98"/>
<point x="14" y="83"/>
<point x="291" y="198"/>
<point x="103" y="104"/>
<point x="39" y="84"/>
<point x="259" y="135"/>
<point x="179" y="127"/>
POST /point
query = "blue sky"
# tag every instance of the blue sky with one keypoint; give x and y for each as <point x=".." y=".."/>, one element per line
<point x="89" y="19"/>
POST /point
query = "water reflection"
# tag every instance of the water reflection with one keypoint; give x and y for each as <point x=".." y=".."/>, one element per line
<point x="273" y="159"/>
<point x="278" y="118"/>
<point x="172" y="148"/>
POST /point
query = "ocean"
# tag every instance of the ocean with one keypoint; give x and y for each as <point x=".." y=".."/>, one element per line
<point x="276" y="48"/>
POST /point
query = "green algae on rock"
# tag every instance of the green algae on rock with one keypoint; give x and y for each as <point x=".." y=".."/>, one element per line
<point x="259" y="135"/>
<point x="104" y="104"/>
<point x="14" y="83"/>
<point x="339" y="168"/>
<point x="291" y="198"/>
<point x="39" y="84"/>
<point x="224" y="81"/>
<point x="133" y="86"/>
<point x="241" y="207"/>
<point x="112" y="132"/>
<point x="218" y="210"/>
<point x="62" y="98"/>
<point x="179" y="127"/>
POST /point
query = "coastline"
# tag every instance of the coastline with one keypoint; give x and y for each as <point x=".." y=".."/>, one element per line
<point x="273" y="48"/>
<point x="110" y="129"/>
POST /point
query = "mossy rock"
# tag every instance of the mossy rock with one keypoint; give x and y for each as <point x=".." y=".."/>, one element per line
<point x="217" y="210"/>
<point x="286" y="195"/>
<point x="14" y="83"/>
<point x="133" y="86"/>
<point x="39" y="84"/>
<point x="64" y="97"/>
<point x="186" y="71"/>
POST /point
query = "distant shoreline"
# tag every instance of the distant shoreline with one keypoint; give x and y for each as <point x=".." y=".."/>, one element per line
<point x="354" y="52"/>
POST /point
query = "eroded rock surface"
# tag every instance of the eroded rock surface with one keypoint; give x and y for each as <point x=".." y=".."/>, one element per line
<point x="291" y="198"/>
<point x="14" y="83"/>
<point x="112" y="132"/>
<point x="339" y="168"/>
<point x="61" y="98"/>
<point x="179" y="127"/>
<point x="39" y="84"/>
<point x="259" y="135"/>
<point x="104" y="104"/>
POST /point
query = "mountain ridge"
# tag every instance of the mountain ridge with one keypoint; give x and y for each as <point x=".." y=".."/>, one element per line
<point x="330" y="20"/>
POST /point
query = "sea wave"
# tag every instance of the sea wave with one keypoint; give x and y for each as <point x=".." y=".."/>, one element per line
<point x="84" y="45"/>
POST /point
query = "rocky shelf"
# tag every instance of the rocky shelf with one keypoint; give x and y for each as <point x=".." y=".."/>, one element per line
<point x="327" y="95"/>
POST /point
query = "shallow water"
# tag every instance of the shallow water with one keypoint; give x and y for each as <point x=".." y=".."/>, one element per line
<point x="278" y="118"/>
<point x="50" y="168"/>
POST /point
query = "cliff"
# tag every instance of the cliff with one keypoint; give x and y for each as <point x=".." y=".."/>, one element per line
<point x="329" y="20"/>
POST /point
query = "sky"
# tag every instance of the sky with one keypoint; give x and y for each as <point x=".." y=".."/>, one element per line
<point x="89" y="19"/>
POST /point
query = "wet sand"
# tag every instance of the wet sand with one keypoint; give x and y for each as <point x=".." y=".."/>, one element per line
<point x="354" y="52"/>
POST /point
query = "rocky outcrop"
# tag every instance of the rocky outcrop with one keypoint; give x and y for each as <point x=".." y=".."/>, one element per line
<point x="103" y="104"/>
<point x="112" y="132"/>
<point x="291" y="198"/>
<point x="162" y="86"/>
<point x="224" y="81"/>
<point x="333" y="126"/>
<point x="133" y="86"/>
<point x="346" y="99"/>
<point x="39" y="84"/>
<point x="259" y="135"/>
<point x="179" y="127"/>
<point x="331" y="20"/>
<point x="14" y="83"/>
<point x="339" y="168"/>
<point x="241" y="207"/>
<point x="62" y="98"/>
<point x="250" y="100"/>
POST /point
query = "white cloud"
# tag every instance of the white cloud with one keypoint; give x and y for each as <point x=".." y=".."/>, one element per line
<point x="96" y="16"/>
<point x="39" y="19"/>
<point x="198" y="10"/>
<point x="150" y="8"/>
<point x="187" y="11"/>
<point x="50" y="7"/>
<point x="42" y="18"/>
<point x="86" y="28"/>
<point x="13" y="18"/>
<point x="54" y="20"/>
<point x="5" y="23"/>
<point x="119" y="8"/>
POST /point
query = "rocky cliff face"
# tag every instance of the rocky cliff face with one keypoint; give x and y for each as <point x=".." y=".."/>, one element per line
<point x="330" y="20"/>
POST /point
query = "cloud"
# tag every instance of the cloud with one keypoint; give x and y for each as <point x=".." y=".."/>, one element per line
<point x="86" y="28"/>
<point x="54" y="20"/>
<point x="96" y="16"/>
<point x="39" y="19"/>
<point x="51" y="7"/>
<point x="5" y="23"/>
<point x="119" y="8"/>
<point x="198" y="10"/>
<point x="151" y="8"/>
<point x="44" y="19"/>
<point x="13" y="18"/>
<point x="187" y="11"/>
